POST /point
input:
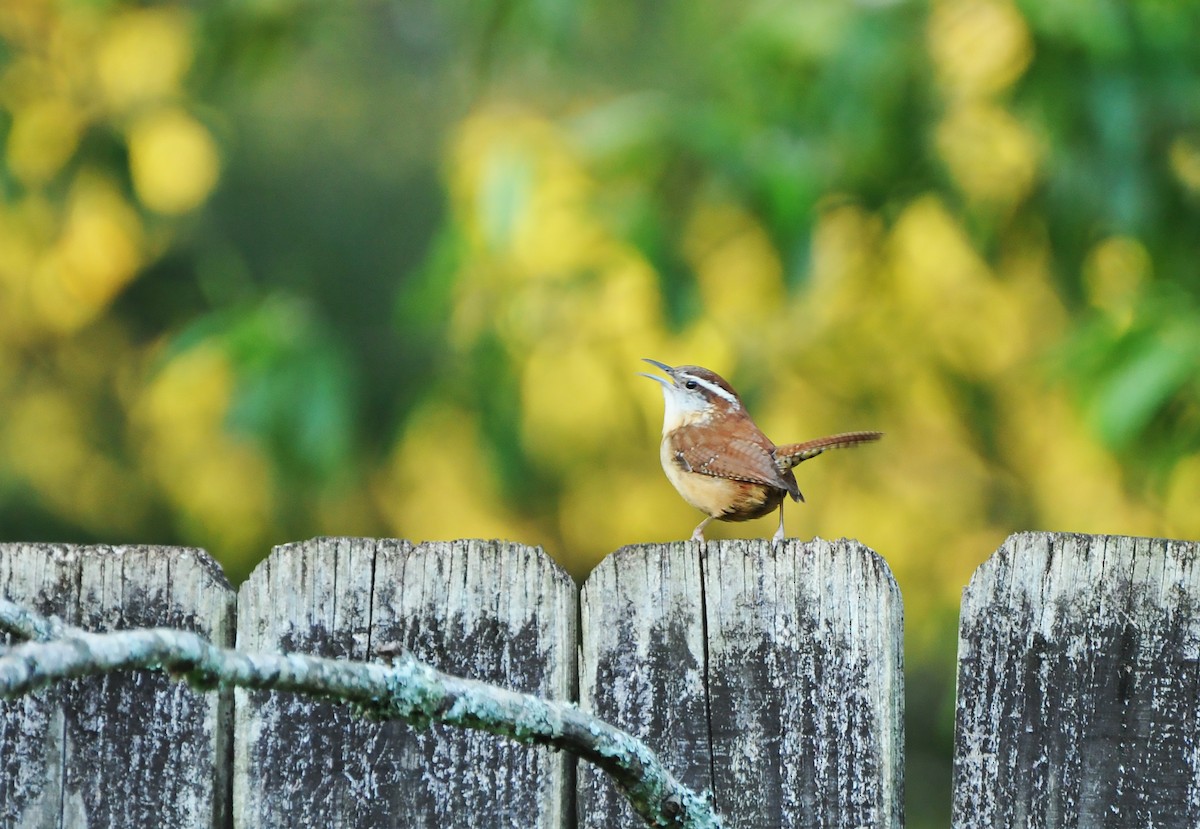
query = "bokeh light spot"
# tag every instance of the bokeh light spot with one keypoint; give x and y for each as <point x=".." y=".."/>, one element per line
<point x="173" y="160"/>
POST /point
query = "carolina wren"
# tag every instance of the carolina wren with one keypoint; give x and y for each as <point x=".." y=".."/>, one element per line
<point x="719" y="460"/>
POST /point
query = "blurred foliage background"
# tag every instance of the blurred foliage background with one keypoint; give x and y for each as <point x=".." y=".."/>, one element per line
<point x="279" y="268"/>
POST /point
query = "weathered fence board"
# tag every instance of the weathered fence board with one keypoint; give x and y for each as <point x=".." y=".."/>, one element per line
<point x="126" y="749"/>
<point x="1078" y="685"/>
<point x="642" y="668"/>
<point x="769" y="674"/>
<point x="772" y="673"/>
<point x="499" y="612"/>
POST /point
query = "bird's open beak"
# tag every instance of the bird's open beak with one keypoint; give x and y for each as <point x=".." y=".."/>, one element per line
<point x="663" y="366"/>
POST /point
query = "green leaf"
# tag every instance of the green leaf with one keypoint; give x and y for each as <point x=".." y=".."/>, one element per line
<point x="1143" y="383"/>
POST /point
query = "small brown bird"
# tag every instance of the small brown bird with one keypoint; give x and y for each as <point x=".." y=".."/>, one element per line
<point x="719" y="460"/>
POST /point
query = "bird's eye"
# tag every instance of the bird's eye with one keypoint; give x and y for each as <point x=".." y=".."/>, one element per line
<point x="690" y="384"/>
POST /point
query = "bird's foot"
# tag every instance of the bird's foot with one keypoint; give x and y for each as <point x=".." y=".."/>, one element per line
<point x="775" y="539"/>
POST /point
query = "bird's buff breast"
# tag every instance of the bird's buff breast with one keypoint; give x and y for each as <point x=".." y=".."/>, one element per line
<point x="722" y="498"/>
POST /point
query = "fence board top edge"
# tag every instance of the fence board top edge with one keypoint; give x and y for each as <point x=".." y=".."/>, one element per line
<point x="755" y="546"/>
<point x="629" y="550"/>
<point x="67" y="552"/>
<point x="1057" y="548"/>
<point x="405" y="546"/>
<point x="557" y="571"/>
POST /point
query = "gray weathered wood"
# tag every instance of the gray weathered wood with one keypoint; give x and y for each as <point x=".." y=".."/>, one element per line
<point x="128" y="749"/>
<point x="1078" y="685"/>
<point x="772" y="674"/>
<point x="642" y="667"/>
<point x="499" y="612"/>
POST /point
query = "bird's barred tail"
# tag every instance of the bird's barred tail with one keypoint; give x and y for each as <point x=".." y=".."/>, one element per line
<point x="793" y="453"/>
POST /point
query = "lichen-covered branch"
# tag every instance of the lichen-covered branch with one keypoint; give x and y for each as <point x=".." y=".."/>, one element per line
<point x="406" y="690"/>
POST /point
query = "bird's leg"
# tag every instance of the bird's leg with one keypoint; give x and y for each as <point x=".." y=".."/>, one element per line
<point x="698" y="533"/>
<point x="779" y="532"/>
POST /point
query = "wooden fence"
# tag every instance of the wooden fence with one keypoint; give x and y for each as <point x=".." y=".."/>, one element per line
<point x="770" y="676"/>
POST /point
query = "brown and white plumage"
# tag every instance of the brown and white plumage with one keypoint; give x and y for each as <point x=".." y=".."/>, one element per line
<point x="792" y="454"/>
<point x="719" y="460"/>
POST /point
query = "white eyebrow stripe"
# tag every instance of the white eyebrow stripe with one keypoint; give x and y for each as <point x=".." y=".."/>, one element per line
<point x="715" y="389"/>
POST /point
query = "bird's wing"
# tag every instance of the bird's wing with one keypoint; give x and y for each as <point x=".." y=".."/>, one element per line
<point x="793" y="453"/>
<point x="737" y="459"/>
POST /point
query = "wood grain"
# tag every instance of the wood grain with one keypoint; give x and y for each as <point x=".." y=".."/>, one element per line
<point x="641" y="666"/>
<point x="770" y="674"/>
<point x="498" y="612"/>
<point x="1078" y="681"/>
<point x="127" y="749"/>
